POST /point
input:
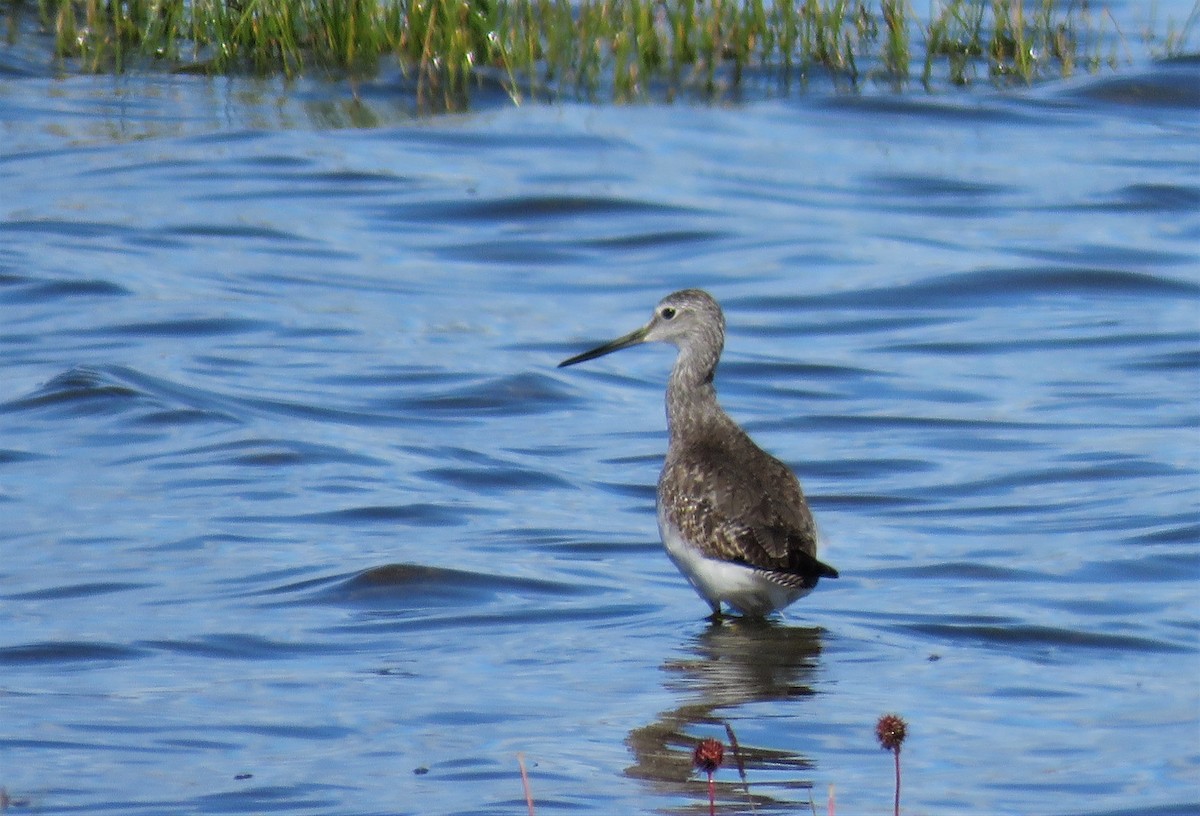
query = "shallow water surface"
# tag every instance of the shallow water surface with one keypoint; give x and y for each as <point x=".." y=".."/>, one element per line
<point x="300" y="517"/>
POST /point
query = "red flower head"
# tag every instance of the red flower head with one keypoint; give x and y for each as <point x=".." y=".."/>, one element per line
<point x="708" y="755"/>
<point x="890" y="730"/>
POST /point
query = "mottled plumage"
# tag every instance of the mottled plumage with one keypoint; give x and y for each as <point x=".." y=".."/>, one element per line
<point x="732" y="517"/>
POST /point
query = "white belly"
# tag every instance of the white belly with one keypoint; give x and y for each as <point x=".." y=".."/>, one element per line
<point x="746" y="590"/>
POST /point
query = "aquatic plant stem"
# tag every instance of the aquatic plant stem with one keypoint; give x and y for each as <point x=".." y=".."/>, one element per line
<point x="525" y="783"/>
<point x="896" y="802"/>
<point x="741" y="766"/>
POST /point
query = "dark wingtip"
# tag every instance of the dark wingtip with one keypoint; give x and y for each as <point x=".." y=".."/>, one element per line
<point x="814" y="568"/>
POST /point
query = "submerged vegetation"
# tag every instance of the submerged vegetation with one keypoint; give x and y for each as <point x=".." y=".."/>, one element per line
<point x="626" y="49"/>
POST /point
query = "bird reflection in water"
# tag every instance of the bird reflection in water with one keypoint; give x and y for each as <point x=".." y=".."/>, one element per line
<point x="726" y="667"/>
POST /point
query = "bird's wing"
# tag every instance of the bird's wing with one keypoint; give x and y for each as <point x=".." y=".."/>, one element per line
<point x="749" y="512"/>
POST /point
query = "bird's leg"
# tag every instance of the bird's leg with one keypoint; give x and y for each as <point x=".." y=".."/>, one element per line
<point x="716" y="617"/>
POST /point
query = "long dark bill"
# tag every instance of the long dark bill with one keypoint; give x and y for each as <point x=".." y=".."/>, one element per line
<point x="631" y="339"/>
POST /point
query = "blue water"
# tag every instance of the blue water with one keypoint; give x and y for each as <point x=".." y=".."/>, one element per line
<point x="298" y="516"/>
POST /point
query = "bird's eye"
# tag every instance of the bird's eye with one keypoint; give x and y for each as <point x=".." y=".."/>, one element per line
<point x="667" y="313"/>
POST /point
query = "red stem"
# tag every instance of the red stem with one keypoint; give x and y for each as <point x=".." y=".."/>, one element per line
<point x="712" y="794"/>
<point x="896" y="807"/>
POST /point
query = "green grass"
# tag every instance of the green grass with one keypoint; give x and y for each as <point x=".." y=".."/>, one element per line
<point x="591" y="49"/>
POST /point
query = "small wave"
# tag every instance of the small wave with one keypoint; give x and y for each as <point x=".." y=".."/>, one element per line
<point x="988" y="287"/>
<point x="68" y="651"/>
<point x="922" y="187"/>
<point x="416" y="586"/>
<point x="417" y="514"/>
<point x="654" y="239"/>
<point x="33" y="290"/>
<point x="235" y="231"/>
<point x="508" y="477"/>
<point x="1170" y="85"/>
<point x="76" y="591"/>
<point x="513" y="395"/>
<point x="947" y="109"/>
<point x="1083" y="472"/>
<point x="528" y="209"/>
<point x="188" y="327"/>
<point x="958" y="571"/>
<point x="307" y="797"/>
<point x="1153" y="198"/>
<point x="1182" y="567"/>
<point x="80" y="391"/>
<point x="236" y="408"/>
<point x="523" y="251"/>
<point x="271" y="453"/>
<point x="237" y="646"/>
<point x="119" y="391"/>
<point x="10" y="456"/>
<point x="1042" y="637"/>
<point x="1188" y="360"/>
<point x="64" y="229"/>
<point x="1188" y="533"/>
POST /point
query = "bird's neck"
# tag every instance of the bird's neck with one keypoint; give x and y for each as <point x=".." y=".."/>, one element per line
<point x="691" y="397"/>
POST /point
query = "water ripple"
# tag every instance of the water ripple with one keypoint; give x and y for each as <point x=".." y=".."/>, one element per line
<point x="509" y="477"/>
<point x="79" y="391"/>
<point x="255" y="453"/>
<point x="416" y="586"/>
<point x="90" y="392"/>
<point x="990" y="287"/>
<point x="510" y="395"/>
<point x="68" y="651"/>
<point x="1154" y="198"/>
<point x="525" y="209"/>
<point x="238" y="646"/>
<point x="426" y="515"/>
<point x="1055" y="638"/>
<point x="75" y="591"/>
<point x="1171" y="85"/>
<point x="193" y="327"/>
<point x="32" y="290"/>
